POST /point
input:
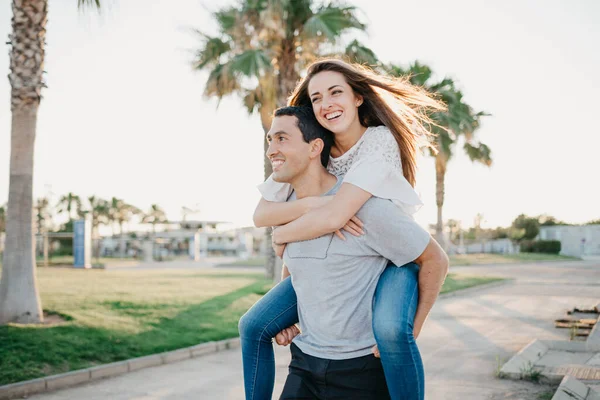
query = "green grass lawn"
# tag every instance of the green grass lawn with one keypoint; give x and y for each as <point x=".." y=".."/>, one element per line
<point x="478" y="259"/>
<point x="116" y="315"/>
<point x="456" y="282"/>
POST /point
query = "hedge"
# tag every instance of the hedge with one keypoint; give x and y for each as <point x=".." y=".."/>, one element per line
<point x="540" y="246"/>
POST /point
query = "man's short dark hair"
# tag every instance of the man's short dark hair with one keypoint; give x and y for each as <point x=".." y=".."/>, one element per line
<point x="310" y="127"/>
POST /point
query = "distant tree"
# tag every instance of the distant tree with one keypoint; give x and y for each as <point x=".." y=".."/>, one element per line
<point x="593" y="222"/>
<point x="155" y="215"/>
<point x="42" y="214"/>
<point x="548" y="220"/>
<point x="70" y="204"/>
<point x="529" y="227"/>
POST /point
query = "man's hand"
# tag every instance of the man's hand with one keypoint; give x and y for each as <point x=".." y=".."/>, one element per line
<point x="285" y="337"/>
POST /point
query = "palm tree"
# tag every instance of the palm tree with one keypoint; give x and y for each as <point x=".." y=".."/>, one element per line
<point x="261" y="48"/>
<point x="458" y="121"/>
<point x="70" y="204"/>
<point x="99" y="211"/>
<point x="42" y="211"/>
<point x="120" y="212"/>
<point x="156" y="215"/>
<point x="19" y="297"/>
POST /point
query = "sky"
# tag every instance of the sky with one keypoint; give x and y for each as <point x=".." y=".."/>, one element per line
<point x="124" y="113"/>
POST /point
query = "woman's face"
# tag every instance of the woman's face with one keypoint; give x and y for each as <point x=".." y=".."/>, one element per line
<point x="333" y="101"/>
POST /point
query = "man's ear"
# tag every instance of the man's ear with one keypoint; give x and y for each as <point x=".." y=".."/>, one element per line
<point x="316" y="148"/>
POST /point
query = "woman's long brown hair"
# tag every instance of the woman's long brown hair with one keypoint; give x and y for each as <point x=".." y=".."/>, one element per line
<point x="393" y="102"/>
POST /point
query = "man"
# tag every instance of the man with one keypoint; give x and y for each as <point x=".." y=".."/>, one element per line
<point x="335" y="279"/>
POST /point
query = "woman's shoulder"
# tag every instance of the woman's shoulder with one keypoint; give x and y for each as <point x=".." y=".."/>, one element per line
<point x="379" y="141"/>
<point x="379" y="133"/>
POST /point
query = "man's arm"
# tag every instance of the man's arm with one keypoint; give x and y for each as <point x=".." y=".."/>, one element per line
<point x="433" y="268"/>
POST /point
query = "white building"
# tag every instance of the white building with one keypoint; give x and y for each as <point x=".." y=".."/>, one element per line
<point x="576" y="241"/>
<point x="179" y="238"/>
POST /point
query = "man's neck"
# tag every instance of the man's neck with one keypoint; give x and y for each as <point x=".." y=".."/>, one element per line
<point x="314" y="181"/>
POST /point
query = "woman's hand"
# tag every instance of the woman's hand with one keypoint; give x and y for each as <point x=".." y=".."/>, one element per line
<point x="285" y="337"/>
<point x="353" y="226"/>
<point x="278" y="248"/>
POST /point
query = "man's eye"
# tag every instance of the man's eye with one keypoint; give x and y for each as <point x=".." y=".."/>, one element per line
<point x="281" y="138"/>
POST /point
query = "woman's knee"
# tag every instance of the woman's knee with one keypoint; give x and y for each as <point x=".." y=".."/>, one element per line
<point x="392" y="331"/>
<point x="249" y="326"/>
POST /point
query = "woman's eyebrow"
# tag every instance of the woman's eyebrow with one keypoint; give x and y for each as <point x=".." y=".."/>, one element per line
<point x="327" y="89"/>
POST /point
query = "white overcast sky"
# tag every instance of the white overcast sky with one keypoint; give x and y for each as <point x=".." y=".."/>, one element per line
<point x="124" y="116"/>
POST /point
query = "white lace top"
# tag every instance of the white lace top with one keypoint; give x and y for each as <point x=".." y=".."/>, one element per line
<point x="373" y="164"/>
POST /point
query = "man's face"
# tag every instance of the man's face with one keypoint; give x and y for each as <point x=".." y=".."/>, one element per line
<point x="288" y="152"/>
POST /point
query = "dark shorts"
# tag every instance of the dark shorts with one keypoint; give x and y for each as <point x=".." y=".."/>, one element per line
<point x="317" y="378"/>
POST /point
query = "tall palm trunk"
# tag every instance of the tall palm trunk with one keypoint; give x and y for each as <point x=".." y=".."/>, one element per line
<point x="19" y="298"/>
<point x="266" y="115"/>
<point x="440" y="174"/>
<point x="286" y="82"/>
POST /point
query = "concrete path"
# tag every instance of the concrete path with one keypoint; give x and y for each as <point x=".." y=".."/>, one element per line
<point x="463" y="342"/>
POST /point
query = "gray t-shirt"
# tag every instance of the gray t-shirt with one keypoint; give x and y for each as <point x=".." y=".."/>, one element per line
<point x="335" y="280"/>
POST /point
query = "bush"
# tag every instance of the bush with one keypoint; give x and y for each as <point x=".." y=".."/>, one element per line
<point x="540" y="246"/>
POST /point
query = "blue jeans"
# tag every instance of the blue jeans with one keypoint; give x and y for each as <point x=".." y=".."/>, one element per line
<point x="394" y="307"/>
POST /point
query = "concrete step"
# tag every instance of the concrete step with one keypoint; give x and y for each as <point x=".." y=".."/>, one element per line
<point x="573" y="389"/>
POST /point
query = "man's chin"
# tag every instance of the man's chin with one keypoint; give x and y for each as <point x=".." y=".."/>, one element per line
<point x="278" y="178"/>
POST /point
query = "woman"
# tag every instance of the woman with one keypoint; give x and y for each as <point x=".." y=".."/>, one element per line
<point x="378" y="125"/>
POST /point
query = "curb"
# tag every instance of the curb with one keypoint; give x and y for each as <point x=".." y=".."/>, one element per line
<point x="61" y="381"/>
<point x="471" y="289"/>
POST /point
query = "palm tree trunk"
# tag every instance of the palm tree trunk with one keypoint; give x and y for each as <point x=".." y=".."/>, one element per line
<point x="122" y="242"/>
<point x="288" y="76"/>
<point x="266" y="113"/>
<point x="440" y="175"/>
<point x="19" y="297"/>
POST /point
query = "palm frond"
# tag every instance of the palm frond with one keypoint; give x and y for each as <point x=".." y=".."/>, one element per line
<point x="81" y="4"/>
<point x="479" y="152"/>
<point x="359" y="53"/>
<point x="251" y="63"/>
<point x="226" y="18"/>
<point x="211" y="51"/>
<point x="331" y="22"/>
<point x="221" y="81"/>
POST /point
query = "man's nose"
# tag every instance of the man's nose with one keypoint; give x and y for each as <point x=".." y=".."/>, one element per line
<point x="271" y="150"/>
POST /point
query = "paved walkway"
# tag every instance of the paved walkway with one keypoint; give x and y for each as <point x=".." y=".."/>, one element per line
<point x="461" y="342"/>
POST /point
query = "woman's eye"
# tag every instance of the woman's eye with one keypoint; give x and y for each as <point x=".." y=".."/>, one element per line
<point x="314" y="100"/>
<point x="336" y="92"/>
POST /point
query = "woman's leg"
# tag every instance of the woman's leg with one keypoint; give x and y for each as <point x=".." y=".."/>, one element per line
<point x="394" y="307"/>
<point x="274" y="312"/>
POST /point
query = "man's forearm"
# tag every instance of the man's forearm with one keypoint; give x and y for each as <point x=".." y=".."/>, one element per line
<point x="432" y="273"/>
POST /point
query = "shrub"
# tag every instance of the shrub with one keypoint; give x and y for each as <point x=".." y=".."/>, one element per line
<point x="540" y="246"/>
